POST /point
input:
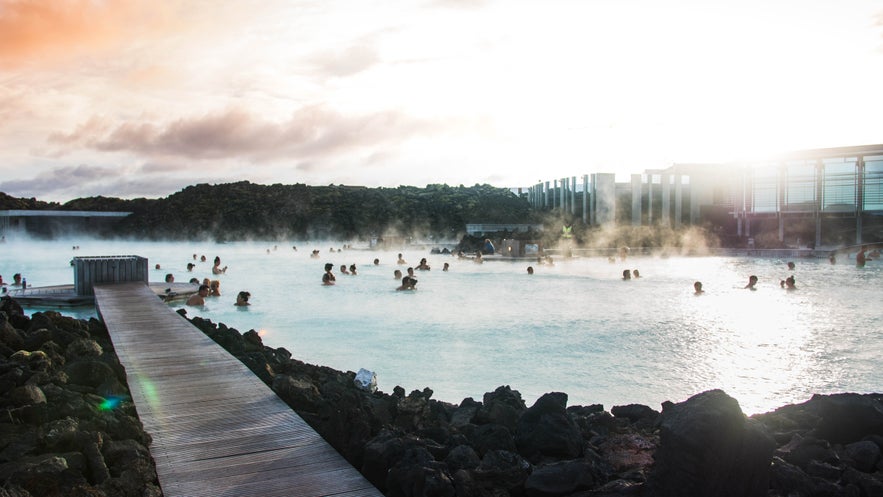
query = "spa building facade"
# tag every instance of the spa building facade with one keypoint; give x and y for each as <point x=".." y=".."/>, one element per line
<point x="806" y="198"/>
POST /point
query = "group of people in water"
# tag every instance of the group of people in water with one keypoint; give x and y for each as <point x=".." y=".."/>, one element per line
<point x="211" y="288"/>
<point x="208" y="288"/>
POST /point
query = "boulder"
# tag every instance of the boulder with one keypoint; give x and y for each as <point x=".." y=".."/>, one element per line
<point x="546" y="430"/>
<point x="849" y="417"/>
<point x="26" y="395"/>
<point x="708" y="447"/>
<point x="503" y="406"/>
<point x="863" y="455"/>
<point x="560" y="479"/>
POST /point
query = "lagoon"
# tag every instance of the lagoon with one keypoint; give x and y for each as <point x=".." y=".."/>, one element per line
<point x="574" y="327"/>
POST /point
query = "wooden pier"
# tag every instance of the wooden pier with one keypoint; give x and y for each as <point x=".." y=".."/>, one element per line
<point x="217" y="429"/>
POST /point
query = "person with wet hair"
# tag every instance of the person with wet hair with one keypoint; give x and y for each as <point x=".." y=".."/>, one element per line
<point x="242" y="299"/>
<point x="397" y="274"/>
<point x="626" y="274"/>
<point x="408" y="283"/>
<point x="353" y="269"/>
<point x="328" y="278"/>
<point x="697" y="288"/>
<point x="752" y="280"/>
<point x="423" y="266"/>
<point x="198" y="298"/>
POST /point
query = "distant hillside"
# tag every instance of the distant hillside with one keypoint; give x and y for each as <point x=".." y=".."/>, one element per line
<point x="245" y="210"/>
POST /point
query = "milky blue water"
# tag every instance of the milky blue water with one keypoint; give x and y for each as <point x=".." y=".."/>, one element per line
<point x="575" y="327"/>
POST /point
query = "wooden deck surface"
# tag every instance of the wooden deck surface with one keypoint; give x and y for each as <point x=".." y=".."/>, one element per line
<point x="217" y="429"/>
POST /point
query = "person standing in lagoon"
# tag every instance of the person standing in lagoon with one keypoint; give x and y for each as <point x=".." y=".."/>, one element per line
<point x="328" y="278"/>
<point x="400" y="261"/>
<point x="860" y="258"/>
<point x="697" y="287"/>
<point x="626" y="274"/>
<point x="423" y="266"/>
<point x="215" y="288"/>
<point x="446" y="267"/>
<point x="217" y="269"/>
<point x="343" y="269"/>
<point x="353" y="269"/>
<point x="752" y="280"/>
<point x="198" y="298"/>
<point x="397" y="275"/>
<point x="408" y="283"/>
<point x="529" y="269"/>
<point x="242" y="299"/>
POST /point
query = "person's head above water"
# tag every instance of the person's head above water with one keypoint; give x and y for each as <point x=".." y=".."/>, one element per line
<point x="329" y="266"/>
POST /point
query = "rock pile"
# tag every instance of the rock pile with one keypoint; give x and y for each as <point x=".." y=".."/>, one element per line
<point x="413" y="445"/>
<point x="67" y="424"/>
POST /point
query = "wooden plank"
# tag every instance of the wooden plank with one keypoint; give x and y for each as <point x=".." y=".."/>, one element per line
<point x="217" y="429"/>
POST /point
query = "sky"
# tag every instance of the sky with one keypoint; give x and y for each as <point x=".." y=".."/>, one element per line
<point x="138" y="98"/>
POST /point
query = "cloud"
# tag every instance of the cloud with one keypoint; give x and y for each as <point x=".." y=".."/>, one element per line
<point x="311" y="133"/>
<point x="35" y="30"/>
<point x="346" y="62"/>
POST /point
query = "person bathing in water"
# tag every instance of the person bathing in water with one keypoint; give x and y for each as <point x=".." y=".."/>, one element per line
<point x="328" y="278"/>
<point x="752" y="280"/>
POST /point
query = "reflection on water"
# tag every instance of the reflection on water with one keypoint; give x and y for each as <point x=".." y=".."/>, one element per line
<point x="575" y="327"/>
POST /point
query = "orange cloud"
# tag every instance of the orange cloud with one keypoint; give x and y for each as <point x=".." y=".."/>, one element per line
<point x="36" y="30"/>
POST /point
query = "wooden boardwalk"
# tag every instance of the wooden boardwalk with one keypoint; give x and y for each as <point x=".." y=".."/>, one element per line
<point x="217" y="429"/>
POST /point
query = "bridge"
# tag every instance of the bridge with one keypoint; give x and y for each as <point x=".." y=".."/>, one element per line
<point x="217" y="430"/>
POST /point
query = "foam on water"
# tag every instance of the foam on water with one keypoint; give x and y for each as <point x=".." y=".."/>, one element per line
<point x="575" y="327"/>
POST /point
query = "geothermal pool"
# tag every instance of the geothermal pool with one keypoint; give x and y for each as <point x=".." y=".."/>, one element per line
<point x="574" y="327"/>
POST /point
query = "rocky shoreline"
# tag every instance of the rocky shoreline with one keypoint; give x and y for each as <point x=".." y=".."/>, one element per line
<point x="70" y="429"/>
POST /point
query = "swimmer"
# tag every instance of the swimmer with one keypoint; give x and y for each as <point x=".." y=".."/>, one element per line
<point x="376" y="262"/>
<point x="343" y="269"/>
<point x="242" y="299"/>
<point x="400" y="260"/>
<point x="328" y="278"/>
<point x="860" y="258"/>
<point x="477" y="259"/>
<point x="790" y="283"/>
<point x="194" y="281"/>
<point x="215" y="287"/>
<point x="16" y="279"/>
<point x="408" y="283"/>
<point x="790" y="265"/>
<point x="411" y="272"/>
<point x="698" y="288"/>
<point x="157" y="267"/>
<point x="170" y="278"/>
<point x="832" y="258"/>
<point x="397" y="274"/>
<point x="217" y="269"/>
<point x="752" y="280"/>
<point x="626" y="274"/>
<point x="190" y="266"/>
<point x="315" y="254"/>
<point x="446" y="266"/>
<point x="423" y="266"/>
<point x="635" y="273"/>
<point x="198" y="298"/>
<point x="529" y="269"/>
<point x="353" y="269"/>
